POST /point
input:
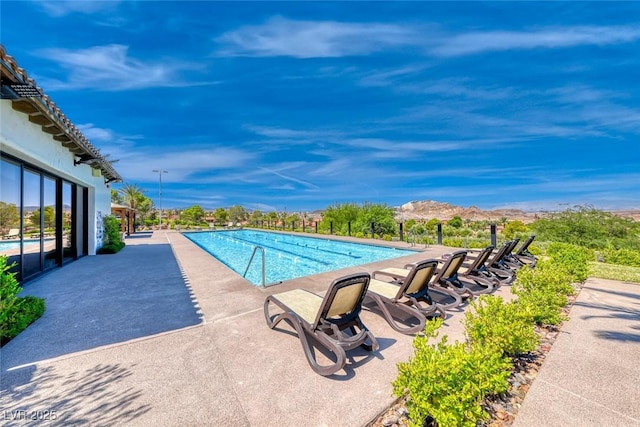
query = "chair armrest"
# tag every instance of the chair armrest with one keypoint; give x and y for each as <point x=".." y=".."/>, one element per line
<point x="395" y="274"/>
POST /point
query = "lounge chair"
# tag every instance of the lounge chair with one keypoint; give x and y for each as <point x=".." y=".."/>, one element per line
<point x="498" y="266"/>
<point x="524" y="256"/>
<point x="449" y="276"/>
<point x="476" y="270"/>
<point x="326" y="319"/>
<point x="443" y="298"/>
<point x="410" y="295"/>
<point x="509" y="259"/>
<point x="13" y="233"/>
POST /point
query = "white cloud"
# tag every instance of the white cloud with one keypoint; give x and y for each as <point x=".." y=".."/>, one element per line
<point x="548" y="38"/>
<point x="289" y="178"/>
<point x="61" y="8"/>
<point x="110" y="68"/>
<point x="312" y="39"/>
<point x="183" y="166"/>
<point x="326" y="39"/>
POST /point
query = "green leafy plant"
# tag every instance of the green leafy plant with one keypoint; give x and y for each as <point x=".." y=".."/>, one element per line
<point x="456" y="242"/>
<point x="447" y="383"/>
<point x="589" y="227"/>
<point x="112" y="237"/>
<point x="542" y="292"/>
<point x="622" y="257"/>
<point x="573" y="259"/>
<point x="493" y="323"/>
<point x="16" y="313"/>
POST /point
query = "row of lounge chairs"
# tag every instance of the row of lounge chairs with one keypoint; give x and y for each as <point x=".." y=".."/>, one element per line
<point x="406" y="299"/>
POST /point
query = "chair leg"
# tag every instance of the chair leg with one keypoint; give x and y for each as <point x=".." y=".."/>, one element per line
<point x="383" y="305"/>
<point x="437" y="289"/>
<point x="328" y="343"/>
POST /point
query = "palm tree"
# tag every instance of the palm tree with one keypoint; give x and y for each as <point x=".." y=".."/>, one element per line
<point x="131" y="194"/>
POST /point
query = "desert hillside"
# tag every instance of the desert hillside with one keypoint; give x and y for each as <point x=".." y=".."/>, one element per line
<point x="428" y="209"/>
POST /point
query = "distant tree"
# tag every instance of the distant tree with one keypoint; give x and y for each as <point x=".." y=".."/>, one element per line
<point x="295" y="218"/>
<point x="192" y="215"/>
<point x="432" y="224"/>
<point x="221" y="216"/>
<point x="144" y="206"/>
<point x="340" y="215"/>
<point x="514" y="227"/>
<point x="133" y="196"/>
<point x="49" y="217"/>
<point x="9" y="216"/>
<point x="272" y="218"/>
<point x="282" y="218"/>
<point x="256" y="218"/>
<point x="479" y="225"/>
<point x="456" y="222"/>
<point x="417" y="229"/>
<point x="409" y="223"/>
<point x="589" y="227"/>
<point x="130" y="194"/>
<point x="115" y="197"/>
<point x="381" y="215"/>
<point x="237" y="214"/>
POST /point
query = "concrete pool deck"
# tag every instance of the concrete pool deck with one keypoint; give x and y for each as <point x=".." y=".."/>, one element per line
<point x="111" y="351"/>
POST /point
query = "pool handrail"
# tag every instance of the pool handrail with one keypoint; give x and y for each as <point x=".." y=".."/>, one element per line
<point x="263" y="262"/>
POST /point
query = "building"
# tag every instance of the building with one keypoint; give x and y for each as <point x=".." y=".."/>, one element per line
<point x="54" y="184"/>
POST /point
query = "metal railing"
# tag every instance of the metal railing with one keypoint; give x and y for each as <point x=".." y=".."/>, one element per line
<point x="251" y="260"/>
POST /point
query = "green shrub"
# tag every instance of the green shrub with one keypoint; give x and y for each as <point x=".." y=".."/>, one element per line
<point x="111" y="248"/>
<point x="542" y="292"/>
<point x="112" y="236"/>
<point x="477" y="244"/>
<point x="9" y="286"/>
<point x="426" y="240"/>
<point x="16" y="313"/>
<point x="502" y="326"/>
<point x="622" y="257"/>
<point x="589" y="227"/>
<point x="514" y="227"/>
<point x="574" y="259"/>
<point x="456" y="242"/>
<point x="534" y="250"/>
<point x="449" y="382"/>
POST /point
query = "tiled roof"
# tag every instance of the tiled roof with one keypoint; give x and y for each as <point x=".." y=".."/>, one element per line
<point x="42" y="110"/>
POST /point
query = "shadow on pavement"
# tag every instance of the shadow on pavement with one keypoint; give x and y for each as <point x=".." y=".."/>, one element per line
<point x="102" y="300"/>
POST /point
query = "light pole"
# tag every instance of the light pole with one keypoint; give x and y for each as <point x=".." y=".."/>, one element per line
<point x="160" y="172"/>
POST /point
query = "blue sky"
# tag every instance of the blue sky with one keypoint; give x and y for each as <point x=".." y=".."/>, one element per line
<point x="298" y="105"/>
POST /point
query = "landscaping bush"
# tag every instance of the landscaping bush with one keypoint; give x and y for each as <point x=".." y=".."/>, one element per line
<point x="622" y="257"/>
<point x="449" y="382"/>
<point x="16" y="313"/>
<point x="589" y="227"/>
<point x="502" y="326"/>
<point x="453" y="242"/>
<point x="477" y="244"/>
<point x="112" y="236"/>
<point x="542" y="292"/>
<point x="574" y="259"/>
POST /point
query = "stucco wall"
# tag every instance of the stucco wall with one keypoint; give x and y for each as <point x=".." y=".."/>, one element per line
<point x="25" y="140"/>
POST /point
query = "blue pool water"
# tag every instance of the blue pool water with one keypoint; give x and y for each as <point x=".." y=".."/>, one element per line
<point x="287" y="256"/>
<point x="15" y="244"/>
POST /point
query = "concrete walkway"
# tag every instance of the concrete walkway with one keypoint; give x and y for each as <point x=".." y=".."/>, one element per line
<point x="161" y="334"/>
<point x="591" y="376"/>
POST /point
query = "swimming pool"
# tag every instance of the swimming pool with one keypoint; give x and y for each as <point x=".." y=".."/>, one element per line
<point x="287" y="256"/>
<point x="15" y="244"/>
